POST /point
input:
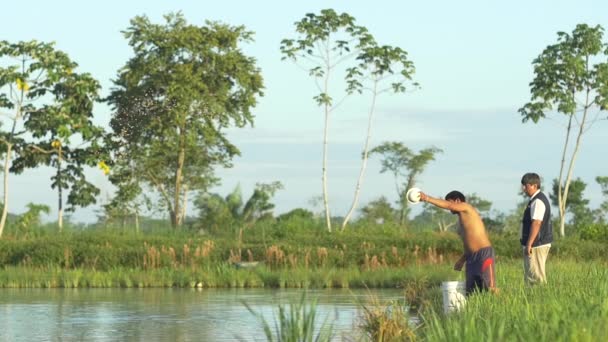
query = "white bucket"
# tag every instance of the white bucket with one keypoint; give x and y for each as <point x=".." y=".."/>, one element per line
<point x="454" y="295"/>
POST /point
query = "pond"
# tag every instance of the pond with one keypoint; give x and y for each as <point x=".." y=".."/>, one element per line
<point x="167" y="314"/>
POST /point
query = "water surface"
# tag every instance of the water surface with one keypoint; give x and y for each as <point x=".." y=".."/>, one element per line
<point x="166" y="314"/>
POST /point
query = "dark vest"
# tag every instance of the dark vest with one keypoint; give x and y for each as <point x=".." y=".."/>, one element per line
<point x="545" y="235"/>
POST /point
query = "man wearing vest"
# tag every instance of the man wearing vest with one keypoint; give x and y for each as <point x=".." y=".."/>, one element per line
<point x="536" y="230"/>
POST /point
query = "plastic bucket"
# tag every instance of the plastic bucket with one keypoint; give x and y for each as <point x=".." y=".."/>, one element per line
<point x="454" y="295"/>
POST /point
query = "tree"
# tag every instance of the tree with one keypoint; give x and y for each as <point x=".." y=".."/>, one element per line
<point x="571" y="77"/>
<point x="402" y="162"/>
<point x="216" y="212"/>
<point x="603" y="209"/>
<point x="173" y="100"/>
<point x="379" y="64"/>
<point x="577" y="205"/>
<point x="325" y="41"/>
<point x="129" y="198"/>
<point x="65" y="138"/>
<point x="51" y="107"/>
<point x="379" y="210"/>
<point x="31" y="218"/>
<point x="297" y="213"/>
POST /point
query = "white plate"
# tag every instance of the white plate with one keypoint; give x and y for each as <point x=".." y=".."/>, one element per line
<point x="413" y="195"/>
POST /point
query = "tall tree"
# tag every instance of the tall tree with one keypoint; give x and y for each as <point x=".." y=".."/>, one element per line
<point x="50" y="110"/>
<point x="173" y="100"/>
<point x="65" y="138"/>
<point x="378" y="66"/>
<point x="571" y="77"/>
<point x="404" y="163"/>
<point x="324" y="42"/>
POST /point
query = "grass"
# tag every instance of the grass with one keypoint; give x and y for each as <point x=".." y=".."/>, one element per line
<point x="296" y="322"/>
<point x="573" y="306"/>
<point x="226" y="276"/>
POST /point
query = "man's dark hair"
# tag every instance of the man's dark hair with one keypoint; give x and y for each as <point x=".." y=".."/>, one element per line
<point x="455" y="195"/>
<point x="531" y="178"/>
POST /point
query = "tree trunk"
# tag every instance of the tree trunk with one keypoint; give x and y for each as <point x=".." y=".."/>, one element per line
<point x="176" y="220"/>
<point x="581" y="131"/>
<point x="404" y="203"/>
<point x="561" y="201"/>
<point x="59" y="193"/>
<point x="564" y="196"/>
<point x="7" y="161"/>
<point x="325" y="195"/>
<point x="184" y="203"/>
<point x="136" y="218"/>
<point x="364" y="161"/>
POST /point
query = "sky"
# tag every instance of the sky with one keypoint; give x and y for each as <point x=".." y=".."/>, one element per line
<point x="473" y="62"/>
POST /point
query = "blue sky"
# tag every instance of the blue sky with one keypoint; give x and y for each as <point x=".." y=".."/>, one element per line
<point x="473" y="62"/>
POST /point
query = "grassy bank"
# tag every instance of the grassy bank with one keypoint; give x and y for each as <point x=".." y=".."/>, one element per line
<point x="573" y="306"/>
<point x="227" y="276"/>
<point x="277" y="247"/>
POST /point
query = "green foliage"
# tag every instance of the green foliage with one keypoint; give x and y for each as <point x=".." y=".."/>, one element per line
<point x="564" y="69"/>
<point x="216" y="212"/>
<point x="296" y="322"/>
<point x="386" y="321"/>
<point x="329" y="42"/>
<point x="173" y="102"/>
<point x="402" y="162"/>
<point x="298" y="213"/>
<point x="572" y="306"/>
<point x="30" y="219"/>
<point x="50" y="123"/>
<point x="602" y="212"/>
<point x="570" y="77"/>
<point x="594" y="232"/>
<point x="378" y="211"/>
<point x="576" y="204"/>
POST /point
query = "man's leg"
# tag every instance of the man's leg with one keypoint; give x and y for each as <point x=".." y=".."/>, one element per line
<point x="488" y="274"/>
<point x="534" y="265"/>
<point x="529" y="272"/>
<point x="539" y="257"/>
<point x="471" y="281"/>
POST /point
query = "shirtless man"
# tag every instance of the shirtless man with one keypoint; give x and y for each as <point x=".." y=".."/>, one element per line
<point x="478" y="251"/>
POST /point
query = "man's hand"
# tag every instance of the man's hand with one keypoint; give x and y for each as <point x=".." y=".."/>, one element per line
<point x="459" y="264"/>
<point x="423" y="197"/>
<point x="528" y="250"/>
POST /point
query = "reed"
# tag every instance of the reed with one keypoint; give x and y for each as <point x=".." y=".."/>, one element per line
<point x="390" y="321"/>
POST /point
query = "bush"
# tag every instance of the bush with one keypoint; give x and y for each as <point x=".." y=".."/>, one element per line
<point x="595" y="231"/>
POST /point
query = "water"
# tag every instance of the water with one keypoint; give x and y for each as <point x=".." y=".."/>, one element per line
<point x="166" y="314"/>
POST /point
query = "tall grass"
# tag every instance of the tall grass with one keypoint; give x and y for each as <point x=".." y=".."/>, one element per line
<point x="296" y="322"/>
<point x="573" y="306"/>
<point x="390" y="321"/>
<point x="225" y="276"/>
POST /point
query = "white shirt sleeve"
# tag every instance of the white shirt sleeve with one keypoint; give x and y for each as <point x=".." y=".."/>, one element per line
<point x="537" y="210"/>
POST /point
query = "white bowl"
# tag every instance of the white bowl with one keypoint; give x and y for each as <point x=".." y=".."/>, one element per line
<point x="413" y="195"/>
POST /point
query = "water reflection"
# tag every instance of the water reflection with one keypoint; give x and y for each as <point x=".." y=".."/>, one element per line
<point x="164" y="314"/>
